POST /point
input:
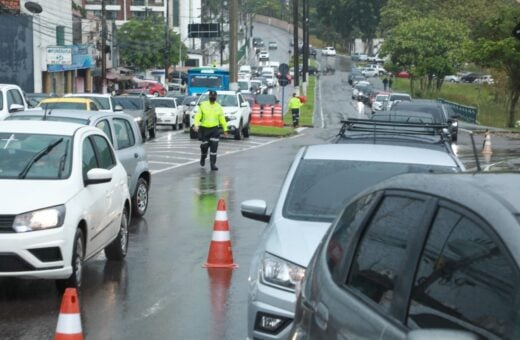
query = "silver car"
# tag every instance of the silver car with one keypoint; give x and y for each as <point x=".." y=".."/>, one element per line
<point x="123" y="132"/>
<point x="321" y="179"/>
<point x="408" y="259"/>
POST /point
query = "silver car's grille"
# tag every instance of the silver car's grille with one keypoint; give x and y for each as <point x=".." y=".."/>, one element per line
<point x="6" y="223"/>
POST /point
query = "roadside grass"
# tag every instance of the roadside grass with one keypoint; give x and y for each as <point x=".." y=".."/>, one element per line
<point x="271" y="131"/>
<point x="492" y="108"/>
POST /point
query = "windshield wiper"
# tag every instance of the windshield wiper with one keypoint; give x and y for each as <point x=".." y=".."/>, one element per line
<point x="37" y="156"/>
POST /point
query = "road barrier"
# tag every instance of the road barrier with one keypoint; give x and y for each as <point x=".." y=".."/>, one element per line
<point x="466" y="113"/>
<point x="220" y="254"/>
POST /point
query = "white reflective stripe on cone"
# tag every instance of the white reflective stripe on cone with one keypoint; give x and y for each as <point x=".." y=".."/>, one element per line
<point x="69" y="324"/>
<point x="221" y="215"/>
<point x="220" y="236"/>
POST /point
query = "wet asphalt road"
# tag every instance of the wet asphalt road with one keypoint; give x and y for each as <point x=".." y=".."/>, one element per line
<point x="161" y="290"/>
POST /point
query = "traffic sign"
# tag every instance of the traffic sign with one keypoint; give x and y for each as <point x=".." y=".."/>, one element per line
<point x="283" y="69"/>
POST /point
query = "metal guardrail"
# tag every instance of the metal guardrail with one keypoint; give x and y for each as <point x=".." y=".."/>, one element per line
<point x="466" y="113"/>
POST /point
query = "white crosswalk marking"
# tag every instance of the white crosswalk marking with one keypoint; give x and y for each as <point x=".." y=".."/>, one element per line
<point x="173" y="149"/>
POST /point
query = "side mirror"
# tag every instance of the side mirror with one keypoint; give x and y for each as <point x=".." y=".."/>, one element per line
<point x="16" y="108"/>
<point x="244" y="104"/>
<point x="193" y="103"/>
<point x="97" y="176"/>
<point x="255" y="210"/>
<point x="118" y="108"/>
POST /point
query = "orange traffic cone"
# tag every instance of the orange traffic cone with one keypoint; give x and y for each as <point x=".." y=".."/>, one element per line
<point x="277" y="116"/>
<point x="486" y="149"/>
<point x="267" y="116"/>
<point x="69" y="321"/>
<point x="220" y="254"/>
<point x="256" y="117"/>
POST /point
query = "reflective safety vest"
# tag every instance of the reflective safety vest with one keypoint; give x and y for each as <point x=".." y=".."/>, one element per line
<point x="295" y="103"/>
<point x="210" y="115"/>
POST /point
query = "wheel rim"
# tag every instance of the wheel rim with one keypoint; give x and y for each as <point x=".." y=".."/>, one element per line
<point x="78" y="264"/>
<point x="124" y="233"/>
<point x="142" y="198"/>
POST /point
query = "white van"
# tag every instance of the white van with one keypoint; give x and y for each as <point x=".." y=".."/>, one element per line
<point x="245" y="69"/>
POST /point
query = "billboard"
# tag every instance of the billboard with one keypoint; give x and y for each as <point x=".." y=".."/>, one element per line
<point x="59" y="55"/>
<point x="203" y="30"/>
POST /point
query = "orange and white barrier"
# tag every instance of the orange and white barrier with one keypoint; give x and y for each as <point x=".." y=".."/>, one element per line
<point x="277" y="116"/>
<point x="256" y="116"/>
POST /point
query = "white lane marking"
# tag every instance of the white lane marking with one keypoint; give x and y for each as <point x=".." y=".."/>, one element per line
<point x="158" y="162"/>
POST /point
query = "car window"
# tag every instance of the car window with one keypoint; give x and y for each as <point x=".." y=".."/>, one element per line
<point x="89" y="157"/>
<point x="1" y="101"/>
<point x="124" y="134"/>
<point x="14" y="97"/>
<point x="93" y="107"/>
<point x="163" y="103"/>
<point x="343" y="230"/>
<point x="104" y="126"/>
<point x="104" y="152"/>
<point x="465" y="280"/>
<point x="378" y="261"/>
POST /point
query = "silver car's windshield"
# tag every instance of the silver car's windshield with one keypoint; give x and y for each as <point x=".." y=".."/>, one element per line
<point x="50" y="156"/>
<point x="320" y="188"/>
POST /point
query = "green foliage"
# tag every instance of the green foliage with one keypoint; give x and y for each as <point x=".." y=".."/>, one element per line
<point x="142" y="44"/>
<point x="426" y="47"/>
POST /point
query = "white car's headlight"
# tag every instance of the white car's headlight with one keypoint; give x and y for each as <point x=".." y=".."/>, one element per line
<point x="138" y="119"/>
<point x="281" y="273"/>
<point x="40" y="219"/>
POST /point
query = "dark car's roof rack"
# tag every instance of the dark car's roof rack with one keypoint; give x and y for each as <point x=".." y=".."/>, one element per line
<point x="384" y="131"/>
<point x="394" y="128"/>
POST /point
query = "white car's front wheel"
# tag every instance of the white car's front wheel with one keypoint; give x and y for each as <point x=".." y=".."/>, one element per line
<point x="78" y="254"/>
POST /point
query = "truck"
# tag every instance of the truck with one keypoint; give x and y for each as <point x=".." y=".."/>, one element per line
<point x="203" y="79"/>
<point x="12" y="100"/>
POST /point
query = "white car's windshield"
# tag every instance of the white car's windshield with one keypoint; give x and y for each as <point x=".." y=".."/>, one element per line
<point x="34" y="156"/>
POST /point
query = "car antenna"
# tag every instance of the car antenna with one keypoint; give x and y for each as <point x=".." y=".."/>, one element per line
<point x="475" y="151"/>
<point x="46" y="112"/>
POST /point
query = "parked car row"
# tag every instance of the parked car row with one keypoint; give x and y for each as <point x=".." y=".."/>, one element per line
<point x="320" y="182"/>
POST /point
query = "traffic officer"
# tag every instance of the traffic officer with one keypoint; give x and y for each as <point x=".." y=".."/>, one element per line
<point x="294" y="106"/>
<point x="209" y="117"/>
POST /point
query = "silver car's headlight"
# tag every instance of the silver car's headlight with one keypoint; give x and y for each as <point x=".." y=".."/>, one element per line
<point x="138" y="119"/>
<point x="40" y="219"/>
<point x="281" y="273"/>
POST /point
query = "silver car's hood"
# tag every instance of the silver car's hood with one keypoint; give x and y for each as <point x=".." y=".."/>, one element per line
<point x="300" y="240"/>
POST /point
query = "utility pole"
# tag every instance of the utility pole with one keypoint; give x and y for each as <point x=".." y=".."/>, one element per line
<point x="305" y="26"/>
<point x="103" y="47"/>
<point x="166" y="48"/>
<point x="296" y="52"/>
<point x="233" y="43"/>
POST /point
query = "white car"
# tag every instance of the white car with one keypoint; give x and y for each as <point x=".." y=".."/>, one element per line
<point x="380" y="102"/>
<point x="270" y="77"/>
<point x="369" y="72"/>
<point x="263" y="56"/>
<point x="11" y="100"/>
<point x="68" y="200"/>
<point x="329" y="51"/>
<point x="485" y="79"/>
<point x="104" y="101"/>
<point x="452" y="78"/>
<point x="236" y="109"/>
<point x="168" y="112"/>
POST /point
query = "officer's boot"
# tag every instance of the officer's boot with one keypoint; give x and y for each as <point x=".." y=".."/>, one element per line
<point x="203" y="153"/>
<point x="213" y="160"/>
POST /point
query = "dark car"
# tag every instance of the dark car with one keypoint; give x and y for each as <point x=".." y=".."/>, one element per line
<point x="418" y="256"/>
<point x="470" y="77"/>
<point x="188" y="104"/>
<point x="441" y="113"/>
<point x="266" y="99"/>
<point x="140" y="107"/>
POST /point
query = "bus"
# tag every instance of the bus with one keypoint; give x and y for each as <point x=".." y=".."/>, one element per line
<point x="202" y="79"/>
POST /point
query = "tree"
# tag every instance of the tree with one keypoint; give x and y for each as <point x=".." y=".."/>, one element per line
<point x="426" y="47"/>
<point x="494" y="46"/>
<point x="142" y="44"/>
